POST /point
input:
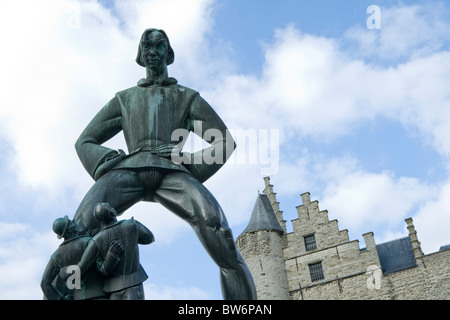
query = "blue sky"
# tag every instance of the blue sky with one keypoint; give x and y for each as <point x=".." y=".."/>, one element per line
<point x="362" y="116"/>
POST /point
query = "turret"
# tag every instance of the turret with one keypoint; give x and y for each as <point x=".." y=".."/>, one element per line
<point x="261" y="245"/>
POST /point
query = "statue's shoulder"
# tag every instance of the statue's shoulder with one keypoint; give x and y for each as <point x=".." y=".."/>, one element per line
<point x="184" y="88"/>
<point x="129" y="91"/>
<point x="188" y="94"/>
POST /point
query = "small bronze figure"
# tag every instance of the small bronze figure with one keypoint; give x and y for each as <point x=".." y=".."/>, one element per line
<point x="114" y="251"/>
<point x="69" y="253"/>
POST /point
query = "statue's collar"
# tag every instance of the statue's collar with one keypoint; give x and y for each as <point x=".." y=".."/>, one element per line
<point x="164" y="82"/>
<point x="112" y="225"/>
<point x="71" y="239"/>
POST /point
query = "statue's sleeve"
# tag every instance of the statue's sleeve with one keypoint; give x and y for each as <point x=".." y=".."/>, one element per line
<point x="89" y="256"/>
<point x="105" y="125"/>
<point x="106" y="265"/>
<point x="206" y="123"/>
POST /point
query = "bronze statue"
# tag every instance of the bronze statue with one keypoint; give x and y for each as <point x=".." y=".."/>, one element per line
<point x="149" y="114"/>
<point x="114" y="252"/>
<point x="69" y="253"/>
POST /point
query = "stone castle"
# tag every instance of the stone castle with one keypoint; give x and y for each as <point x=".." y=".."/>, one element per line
<point x="318" y="261"/>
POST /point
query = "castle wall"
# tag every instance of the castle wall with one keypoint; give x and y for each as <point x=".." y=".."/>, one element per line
<point x="284" y="266"/>
<point x="337" y="262"/>
<point x="339" y="256"/>
<point x="430" y="279"/>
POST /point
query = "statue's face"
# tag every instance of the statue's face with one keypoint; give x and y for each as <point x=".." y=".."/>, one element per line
<point x="72" y="228"/>
<point x="154" y="51"/>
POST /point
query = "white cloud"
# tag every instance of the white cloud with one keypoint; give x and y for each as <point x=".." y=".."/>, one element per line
<point x="365" y="200"/>
<point x="432" y="220"/>
<point x="24" y="254"/>
<point x="407" y="32"/>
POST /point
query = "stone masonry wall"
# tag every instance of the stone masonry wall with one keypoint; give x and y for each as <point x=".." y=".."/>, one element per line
<point x="338" y="262"/>
<point x="280" y="263"/>
<point x="262" y="251"/>
<point x="429" y="280"/>
<point x="339" y="256"/>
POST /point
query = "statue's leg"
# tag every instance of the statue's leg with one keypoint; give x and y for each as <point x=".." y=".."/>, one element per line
<point x="189" y="199"/>
<point x="120" y="188"/>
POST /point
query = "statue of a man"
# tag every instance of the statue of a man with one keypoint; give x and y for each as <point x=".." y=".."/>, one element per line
<point x="69" y="253"/>
<point x="123" y="273"/>
<point x="149" y="114"/>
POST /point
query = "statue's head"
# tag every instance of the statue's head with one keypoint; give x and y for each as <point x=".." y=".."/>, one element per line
<point x="103" y="212"/>
<point x="65" y="228"/>
<point x="154" y="50"/>
<point x="60" y="226"/>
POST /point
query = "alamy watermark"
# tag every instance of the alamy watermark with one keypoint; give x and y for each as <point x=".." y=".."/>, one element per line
<point x="374" y="280"/>
<point x="374" y="20"/>
<point x="74" y="280"/>
<point x="254" y="147"/>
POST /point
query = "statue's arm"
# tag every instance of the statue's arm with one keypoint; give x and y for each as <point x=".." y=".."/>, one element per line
<point x="50" y="273"/>
<point x="105" y="125"/>
<point x="145" y="236"/>
<point x="205" y="122"/>
<point x="89" y="256"/>
<point x="105" y="266"/>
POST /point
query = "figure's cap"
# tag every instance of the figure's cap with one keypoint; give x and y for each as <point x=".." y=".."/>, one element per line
<point x="60" y="226"/>
<point x="170" y="53"/>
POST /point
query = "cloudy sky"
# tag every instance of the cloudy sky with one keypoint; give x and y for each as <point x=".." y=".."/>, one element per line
<point x="357" y="116"/>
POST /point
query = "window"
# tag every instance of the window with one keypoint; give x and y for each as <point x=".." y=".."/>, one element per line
<point x="310" y="242"/>
<point x="316" y="271"/>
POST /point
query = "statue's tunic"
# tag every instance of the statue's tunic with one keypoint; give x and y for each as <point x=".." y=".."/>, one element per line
<point x="148" y="117"/>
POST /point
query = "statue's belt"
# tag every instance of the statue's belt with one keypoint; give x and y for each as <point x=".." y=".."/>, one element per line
<point x="164" y="151"/>
<point x="144" y="157"/>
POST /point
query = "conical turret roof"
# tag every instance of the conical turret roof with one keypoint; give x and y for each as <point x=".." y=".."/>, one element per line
<point x="263" y="216"/>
